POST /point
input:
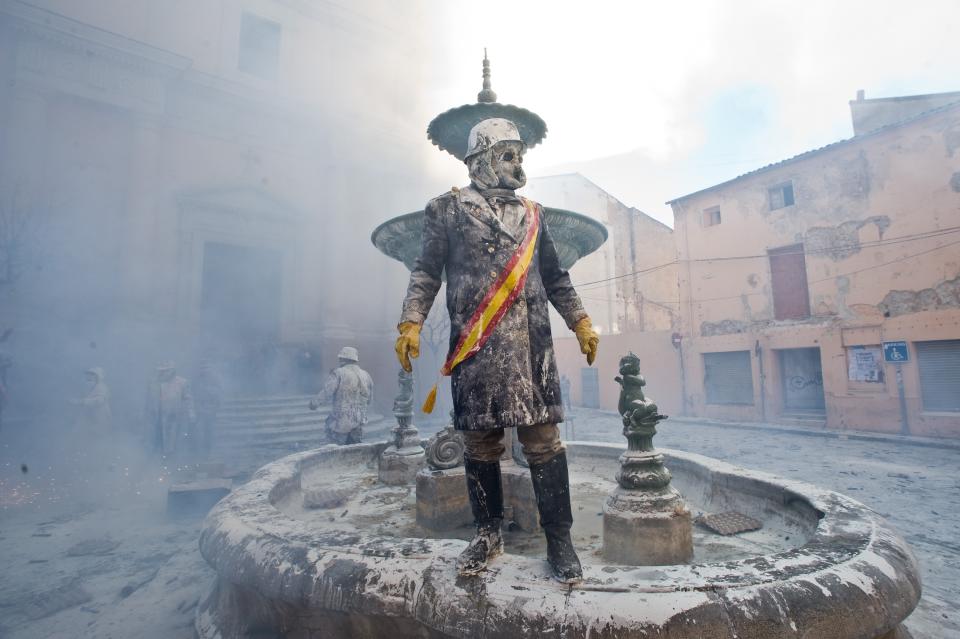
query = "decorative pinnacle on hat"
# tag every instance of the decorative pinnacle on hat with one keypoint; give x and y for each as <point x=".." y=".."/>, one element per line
<point x="487" y="94"/>
<point x="450" y="129"/>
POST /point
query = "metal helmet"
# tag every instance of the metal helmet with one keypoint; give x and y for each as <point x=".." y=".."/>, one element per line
<point x="349" y="353"/>
<point x="486" y="133"/>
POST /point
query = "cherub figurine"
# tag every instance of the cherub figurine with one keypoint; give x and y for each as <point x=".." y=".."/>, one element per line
<point x="640" y="415"/>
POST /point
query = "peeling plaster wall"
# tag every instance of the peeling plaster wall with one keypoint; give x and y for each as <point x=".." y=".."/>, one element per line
<point x="944" y="295"/>
<point x="876" y="217"/>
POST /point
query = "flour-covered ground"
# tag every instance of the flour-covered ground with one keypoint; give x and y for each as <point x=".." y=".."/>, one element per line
<point x="88" y="551"/>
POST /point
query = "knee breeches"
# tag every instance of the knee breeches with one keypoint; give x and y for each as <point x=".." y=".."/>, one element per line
<point x="541" y="443"/>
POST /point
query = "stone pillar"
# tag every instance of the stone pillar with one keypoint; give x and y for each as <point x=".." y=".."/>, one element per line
<point x="645" y="520"/>
<point x="402" y="460"/>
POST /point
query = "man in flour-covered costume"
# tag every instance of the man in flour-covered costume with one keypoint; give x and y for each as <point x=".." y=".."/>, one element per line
<point x="501" y="268"/>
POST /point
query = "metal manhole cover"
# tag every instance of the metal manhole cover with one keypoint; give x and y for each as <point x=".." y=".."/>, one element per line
<point x="729" y="523"/>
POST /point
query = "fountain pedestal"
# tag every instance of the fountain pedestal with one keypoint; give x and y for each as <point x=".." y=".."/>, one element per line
<point x="647" y="523"/>
<point x="442" y="499"/>
<point x="645" y="520"/>
<point x="402" y="460"/>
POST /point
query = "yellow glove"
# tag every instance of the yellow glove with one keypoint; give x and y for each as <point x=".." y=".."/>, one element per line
<point x="588" y="338"/>
<point x="408" y="344"/>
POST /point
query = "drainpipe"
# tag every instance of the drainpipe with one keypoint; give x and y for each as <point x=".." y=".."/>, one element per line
<point x="689" y="301"/>
<point x="758" y="351"/>
<point x="677" y="340"/>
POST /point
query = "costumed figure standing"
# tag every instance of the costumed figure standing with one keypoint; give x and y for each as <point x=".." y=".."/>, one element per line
<point x="349" y="389"/>
<point x="501" y="268"/>
<point x="94" y="419"/>
<point x="169" y="409"/>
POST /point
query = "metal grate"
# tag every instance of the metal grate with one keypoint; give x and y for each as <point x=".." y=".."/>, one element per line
<point x="729" y="523"/>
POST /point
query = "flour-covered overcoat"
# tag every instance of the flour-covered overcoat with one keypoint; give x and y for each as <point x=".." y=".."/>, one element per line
<point x="350" y="389"/>
<point x="512" y="380"/>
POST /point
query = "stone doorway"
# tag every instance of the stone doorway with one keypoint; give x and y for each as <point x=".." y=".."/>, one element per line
<point x="240" y="311"/>
<point x="802" y="380"/>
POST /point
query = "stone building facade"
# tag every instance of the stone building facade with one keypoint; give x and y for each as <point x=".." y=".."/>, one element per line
<point x="629" y="287"/>
<point x="793" y="276"/>
<point x="190" y="178"/>
<point x="630" y="282"/>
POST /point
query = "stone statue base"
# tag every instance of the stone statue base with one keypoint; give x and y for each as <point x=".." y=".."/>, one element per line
<point x="443" y="503"/>
<point x="643" y="526"/>
<point x="400" y="466"/>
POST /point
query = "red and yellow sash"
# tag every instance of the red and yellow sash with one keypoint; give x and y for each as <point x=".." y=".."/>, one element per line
<point x="495" y="304"/>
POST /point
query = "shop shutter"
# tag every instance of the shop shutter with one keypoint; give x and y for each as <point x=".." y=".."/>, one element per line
<point x="590" y="383"/>
<point x="939" y="364"/>
<point x="728" y="377"/>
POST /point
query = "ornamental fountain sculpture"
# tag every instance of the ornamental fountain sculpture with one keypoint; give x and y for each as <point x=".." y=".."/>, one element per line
<point x="401" y="461"/>
<point x="575" y="234"/>
<point x="645" y="520"/>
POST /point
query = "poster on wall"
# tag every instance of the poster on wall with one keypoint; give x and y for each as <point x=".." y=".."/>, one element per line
<point x="865" y="364"/>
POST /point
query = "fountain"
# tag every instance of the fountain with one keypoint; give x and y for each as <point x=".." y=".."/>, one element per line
<point x="822" y="565"/>
<point x="342" y="541"/>
<point x="575" y="235"/>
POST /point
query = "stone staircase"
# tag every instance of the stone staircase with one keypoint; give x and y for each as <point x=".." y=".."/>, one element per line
<point x="252" y="431"/>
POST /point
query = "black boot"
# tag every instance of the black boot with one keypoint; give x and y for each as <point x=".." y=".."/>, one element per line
<point x="551" y="484"/>
<point x="486" y="500"/>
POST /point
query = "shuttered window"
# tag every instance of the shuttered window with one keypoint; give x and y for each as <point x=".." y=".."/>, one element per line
<point x="728" y="377"/>
<point x="939" y="364"/>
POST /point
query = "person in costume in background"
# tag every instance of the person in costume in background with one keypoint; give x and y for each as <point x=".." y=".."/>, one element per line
<point x="502" y="268"/>
<point x="349" y="389"/>
<point x="169" y="410"/>
<point x="94" y="419"/>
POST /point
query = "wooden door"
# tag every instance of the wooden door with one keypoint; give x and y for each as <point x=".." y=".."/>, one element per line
<point x="788" y="276"/>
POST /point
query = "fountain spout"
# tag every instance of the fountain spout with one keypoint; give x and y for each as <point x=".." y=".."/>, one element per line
<point x="401" y="461"/>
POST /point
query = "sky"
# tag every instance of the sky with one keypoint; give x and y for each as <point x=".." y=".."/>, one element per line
<point x="652" y="101"/>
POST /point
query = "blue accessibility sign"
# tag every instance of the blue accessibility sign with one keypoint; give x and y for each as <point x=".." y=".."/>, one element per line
<point x="895" y="352"/>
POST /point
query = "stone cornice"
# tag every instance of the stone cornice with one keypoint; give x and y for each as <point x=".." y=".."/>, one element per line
<point x="78" y="37"/>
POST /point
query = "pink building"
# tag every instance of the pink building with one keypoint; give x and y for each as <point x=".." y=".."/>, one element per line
<point x="793" y="276"/>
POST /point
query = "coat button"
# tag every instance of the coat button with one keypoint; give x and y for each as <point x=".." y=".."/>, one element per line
<point x="493" y="274"/>
<point x="490" y="249"/>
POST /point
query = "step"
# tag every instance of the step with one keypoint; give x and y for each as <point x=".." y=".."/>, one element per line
<point x="810" y="418"/>
<point x="280" y="438"/>
<point x="265" y="437"/>
<point x="268" y="421"/>
<point x="260" y="410"/>
<point x="284" y="400"/>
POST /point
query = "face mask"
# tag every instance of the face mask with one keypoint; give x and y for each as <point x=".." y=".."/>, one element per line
<point x="508" y="165"/>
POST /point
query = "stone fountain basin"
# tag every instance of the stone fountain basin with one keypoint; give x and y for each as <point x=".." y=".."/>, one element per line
<point x="846" y="574"/>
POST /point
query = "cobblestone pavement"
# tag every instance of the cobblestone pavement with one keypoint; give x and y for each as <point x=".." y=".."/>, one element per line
<point x="916" y="488"/>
